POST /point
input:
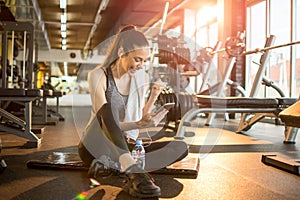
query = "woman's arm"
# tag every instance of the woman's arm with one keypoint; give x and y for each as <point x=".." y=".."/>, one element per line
<point x="155" y="91"/>
<point x="148" y="120"/>
<point x="127" y="126"/>
<point x="97" y="87"/>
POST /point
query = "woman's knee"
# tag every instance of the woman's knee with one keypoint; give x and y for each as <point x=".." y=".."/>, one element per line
<point x="180" y="145"/>
<point x="84" y="154"/>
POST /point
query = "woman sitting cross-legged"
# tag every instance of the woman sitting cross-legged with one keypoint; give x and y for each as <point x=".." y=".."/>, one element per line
<point x="118" y="89"/>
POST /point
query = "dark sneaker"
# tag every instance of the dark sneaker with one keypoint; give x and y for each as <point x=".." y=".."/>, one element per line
<point x="140" y="184"/>
<point x="103" y="167"/>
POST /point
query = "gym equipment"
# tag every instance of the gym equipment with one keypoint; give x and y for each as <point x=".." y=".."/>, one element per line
<point x="208" y="104"/>
<point x="206" y="57"/>
<point x="291" y="115"/>
<point x="246" y="120"/>
<point x="172" y="53"/>
<point x="250" y="104"/>
<point x="171" y="49"/>
<point x="282" y="162"/>
<point x="28" y="31"/>
<point x="55" y="112"/>
<point x="219" y="89"/>
<point x="41" y="114"/>
<point x="56" y="94"/>
<point x="258" y="50"/>
<point x="42" y="109"/>
<point x="14" y="124"/>
<point x="21" y="31"/>
<point x="48" y="112"/>
<point x="184" y="101"/>
<point x="186" y="168"/>
<point x="289" y="162"/>
<point x="234" y="46"/>
<point x="26" y="95"/>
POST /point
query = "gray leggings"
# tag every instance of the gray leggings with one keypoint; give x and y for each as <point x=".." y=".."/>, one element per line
<point x="158" y="154"/>
<point x="112" y="143"/>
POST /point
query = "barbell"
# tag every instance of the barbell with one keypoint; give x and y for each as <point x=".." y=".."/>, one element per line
<point x="235" y="47"/>
<point x="258" y="50"/>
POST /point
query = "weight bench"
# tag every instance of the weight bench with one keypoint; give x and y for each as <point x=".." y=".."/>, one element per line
<point x="16" y="125"/>
<point x="46" y="117"/>
<point x="56" y="94"/>
<point x="40" y="115"/>
<point x="263" y="106"/>
<point x="41" y="112"/>
<point x="290" y="162"/>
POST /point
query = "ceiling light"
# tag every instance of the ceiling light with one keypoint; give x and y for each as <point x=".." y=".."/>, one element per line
<point x="63" y="18"/>
<point x="63" y="4"/>
<point x="64" y="47"/>
<point x="65" y="68"/>
<point x="103" y="4"/>
<point x="164" y="17"/>
<point x="63" y="27"/>
<point x="98" y="19"/>
<point x="63" y="41"/>
<point x="63" y="34"/>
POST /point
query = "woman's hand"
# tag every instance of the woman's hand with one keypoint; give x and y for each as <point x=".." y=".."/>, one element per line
<point x="155" y="91"/>
<point x="152" y="119"/>
<point x="157" y="88"/>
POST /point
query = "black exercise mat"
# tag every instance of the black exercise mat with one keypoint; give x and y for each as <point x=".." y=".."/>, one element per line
<point x="187" y="167"/>
<point x="58" y="160"/>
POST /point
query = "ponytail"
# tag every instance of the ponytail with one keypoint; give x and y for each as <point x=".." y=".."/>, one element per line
<point x="128" y="38"/>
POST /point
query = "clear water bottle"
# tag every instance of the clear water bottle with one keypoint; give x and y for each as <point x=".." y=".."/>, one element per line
<point x="138" y="154"/>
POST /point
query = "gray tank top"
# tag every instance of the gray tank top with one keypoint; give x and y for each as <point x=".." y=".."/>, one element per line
<point x="113" y="96"/>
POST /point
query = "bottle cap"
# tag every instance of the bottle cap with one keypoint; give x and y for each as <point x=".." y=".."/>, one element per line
<point x="138" y="142"/>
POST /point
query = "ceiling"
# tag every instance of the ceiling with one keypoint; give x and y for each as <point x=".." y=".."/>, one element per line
<point x="81" y="15"/>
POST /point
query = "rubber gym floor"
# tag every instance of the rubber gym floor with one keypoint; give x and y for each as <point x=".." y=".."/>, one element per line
<point x="230" y="165"/>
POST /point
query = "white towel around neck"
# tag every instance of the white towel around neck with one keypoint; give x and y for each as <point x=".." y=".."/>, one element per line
<point x="136" y="100"/>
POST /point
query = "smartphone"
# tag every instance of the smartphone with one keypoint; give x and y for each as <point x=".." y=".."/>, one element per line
<point x="167" y="106"/>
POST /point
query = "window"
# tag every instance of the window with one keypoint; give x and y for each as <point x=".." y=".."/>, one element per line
<point x="296" y="49"/>
<point x="280" y="26"/>
<point x="256" y="23"/>
<point x="281" y="19"/>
